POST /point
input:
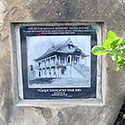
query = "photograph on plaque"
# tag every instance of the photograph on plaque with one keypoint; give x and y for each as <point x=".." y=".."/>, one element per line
<point x="57" y="62"/>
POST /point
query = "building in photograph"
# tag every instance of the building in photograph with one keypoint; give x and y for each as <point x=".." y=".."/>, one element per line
<point x="61" y="61"/>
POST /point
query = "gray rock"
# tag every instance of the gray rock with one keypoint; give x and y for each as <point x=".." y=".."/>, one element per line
<point x="111" y="12"/>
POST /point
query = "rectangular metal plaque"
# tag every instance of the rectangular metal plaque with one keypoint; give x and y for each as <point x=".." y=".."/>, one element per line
<point x="56" y="61"/>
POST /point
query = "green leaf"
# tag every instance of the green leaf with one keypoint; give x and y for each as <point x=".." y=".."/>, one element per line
<point x="123" y="47"/>
<point x="112" y="52"/>
<point x="115" y="58"/>
<point x="120" y="62"/>
<point x="99" y="50"/>
<point x="111" y="35"/>
<point x="115" y="43"/>
<point x="106" y="44"/>
<point x="112" y="40"/>
<point x="123" y="66"/>
<point x="123" y="52"/>
<point x="123" y="41"/>
<point x="119" y="59"/>
<point x="118" y="68"/>
<point x="123" y="116"/>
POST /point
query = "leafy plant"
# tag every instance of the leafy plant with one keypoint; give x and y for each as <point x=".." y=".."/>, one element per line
<point x="113" y="46"/>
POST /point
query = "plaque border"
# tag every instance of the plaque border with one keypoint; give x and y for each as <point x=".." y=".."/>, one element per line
<point x="16" y="72"/>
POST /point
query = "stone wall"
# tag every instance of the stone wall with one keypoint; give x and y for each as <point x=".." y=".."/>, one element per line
<point x="111" y="12"/>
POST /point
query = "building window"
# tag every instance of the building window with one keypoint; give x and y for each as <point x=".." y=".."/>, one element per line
<point x="62" y="60"/>
<point x="49" y="71"/>
<point x="53" y="60"/>
<point x="49" y="61"/>
<point x="70" y="46"/>
<point x="54" y="72"/>
<point x="45" y="72"/>
<point x="62" y="71"/>
<point x="44" y="63"/>
<point x="39" y="64"/>
<point x="39" y="74"/>
<point x="68" y="59"/>
<point x="76" y="60"/>
<point x="31" y="67"/>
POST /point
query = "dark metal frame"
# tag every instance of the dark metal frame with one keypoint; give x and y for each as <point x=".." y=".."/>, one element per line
<point x="33" y="93"/>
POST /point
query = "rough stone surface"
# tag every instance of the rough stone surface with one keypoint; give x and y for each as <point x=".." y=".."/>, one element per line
<point x="112" y="12"/>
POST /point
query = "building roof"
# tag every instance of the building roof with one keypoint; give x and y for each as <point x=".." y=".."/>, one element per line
<point x="60" y="48"/>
